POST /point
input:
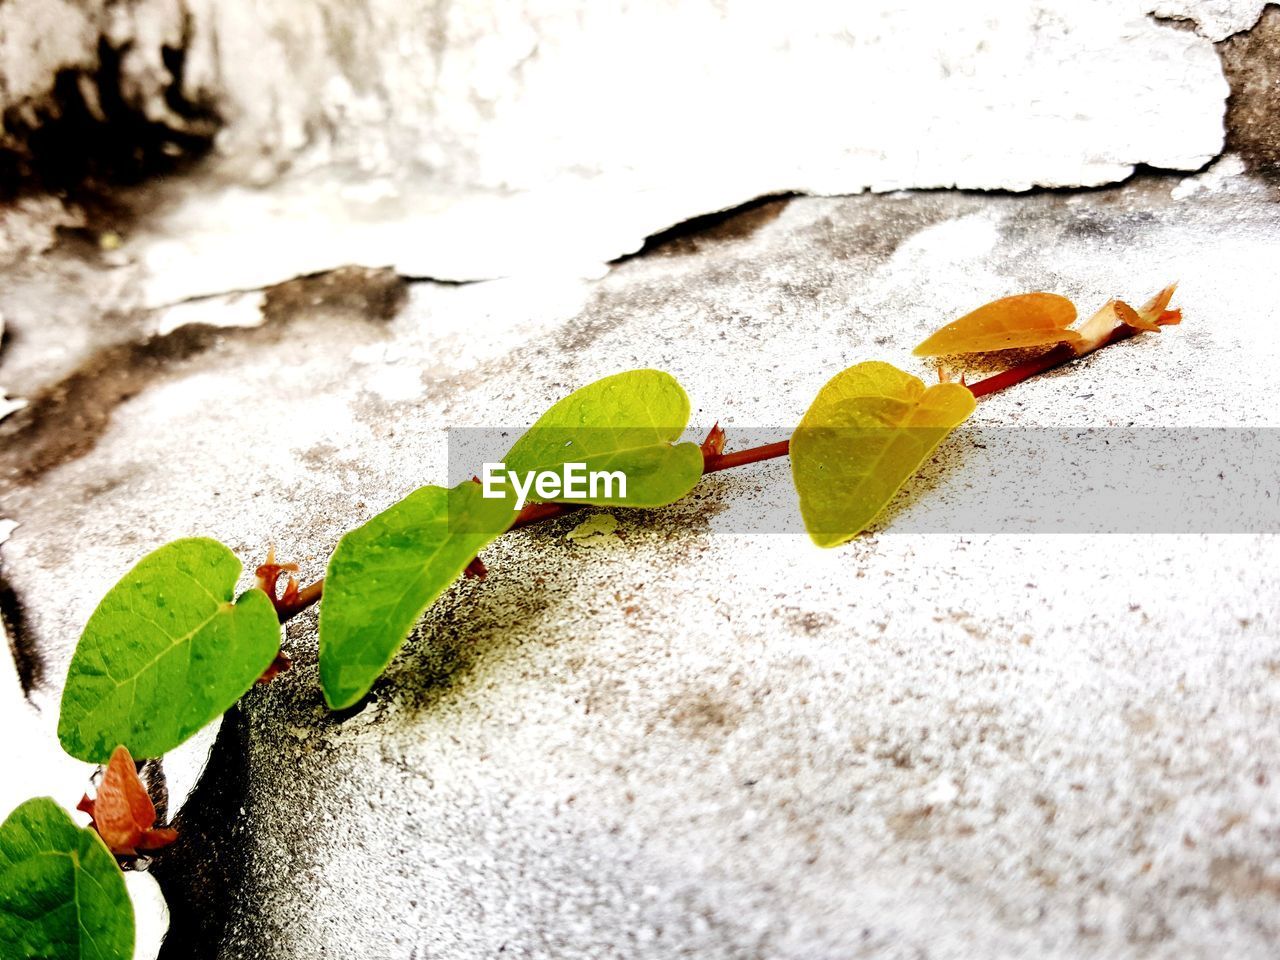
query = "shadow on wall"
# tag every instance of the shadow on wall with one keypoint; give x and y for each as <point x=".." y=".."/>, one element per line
<point x="88" y="134"/>
<point x="204" y="874"/>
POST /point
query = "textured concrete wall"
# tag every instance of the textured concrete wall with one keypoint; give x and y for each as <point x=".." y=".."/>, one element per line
<point x="685" y="740"/>
<point x="828" y="97"/>
<point x="472" y="140"/>
<point x="691" y="740"/>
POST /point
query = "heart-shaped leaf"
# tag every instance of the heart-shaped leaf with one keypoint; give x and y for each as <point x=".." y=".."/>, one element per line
<point x="867" y="431"/>
<point x="627" y="422"/>
<point x="384" y="575"/>
<point x="1018" y="322"/>
<point x="166" y="652"/>
<point x="62" y="897"/>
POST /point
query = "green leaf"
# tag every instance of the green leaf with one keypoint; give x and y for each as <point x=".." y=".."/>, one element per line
<point x="385" y="574"/>
<point x="62" y="897"/>
<point x="165" y="652"/>
<point x="628" y="422"/>
<point x="868" y="430"/>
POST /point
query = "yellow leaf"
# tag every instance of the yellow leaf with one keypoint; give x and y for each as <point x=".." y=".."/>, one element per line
<point x="596" y="531"/>
<point x="865" y="434"/>
<point x="1012" y="323"/>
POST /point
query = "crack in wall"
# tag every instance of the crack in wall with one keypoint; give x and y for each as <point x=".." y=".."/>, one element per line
<point x="87" y="134"/>
<point x="204" y="873"/>
<point x="737" y="222"/>
<point x="65" y="420"/>
<point x="1251" y="62"/>
<point x="28" y="664"/>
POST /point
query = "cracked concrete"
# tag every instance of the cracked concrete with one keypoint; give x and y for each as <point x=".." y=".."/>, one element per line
<point x="447" y="140"/>
<point x="682" y="741"/>
<point x="1215" y="19"/>
<point x="695" y="742"/>
<point x="64" y="420"/>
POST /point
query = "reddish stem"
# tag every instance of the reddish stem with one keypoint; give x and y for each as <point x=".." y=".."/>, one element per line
<point x="279" y="665"/>
<point x="305" y="597"/>
<point x="1023" y="371"/>
<point x="740" y="458"/>
<point x="537" y="512"/>
<point x="1062" y="353"/>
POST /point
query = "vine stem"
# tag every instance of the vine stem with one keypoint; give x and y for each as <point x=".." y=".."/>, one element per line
<point x="299" y="599"/>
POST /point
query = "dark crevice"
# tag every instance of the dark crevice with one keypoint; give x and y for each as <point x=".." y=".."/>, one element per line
<point x="375" y="293"/>
<point x="84" y="137"/>
<point x="740" y="222"/>
<point x="64" y="421"/>
<point x="441" y="281"/>
<point x="151" y="772"/>
<point x="736" y="223"/>
<point x="1175" y="22"/>
<point x="27" y="662"/>
<point x="204" y="873"/>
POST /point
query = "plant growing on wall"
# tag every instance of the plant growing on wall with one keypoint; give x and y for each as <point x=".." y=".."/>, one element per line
<point x="171" y="647"/>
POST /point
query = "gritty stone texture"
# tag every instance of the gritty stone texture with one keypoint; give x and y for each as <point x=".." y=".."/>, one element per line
<point x="96" y="89"/>
<point x="460" y="142"/>
<point x="1252" y="65"/>
<point x="691" y="742"/>
<point x="493" y="99"/>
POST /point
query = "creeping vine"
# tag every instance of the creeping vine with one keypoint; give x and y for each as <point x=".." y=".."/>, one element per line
<point x="171" y="647"/>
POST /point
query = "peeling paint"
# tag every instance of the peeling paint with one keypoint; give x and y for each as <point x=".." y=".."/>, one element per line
<point x="228" y="310"/>
<point x="511" y="181"/>
<point x="1214" y="19"/>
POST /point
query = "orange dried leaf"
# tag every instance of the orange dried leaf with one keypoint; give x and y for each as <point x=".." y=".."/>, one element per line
<point x="1100" y="328"/>
<point x="122" y="812"/>
<point x="1155" y="309"/>
<point x="1115" y="315"/>
<point x="1011" y="323"/>
<point x="1135" y="319"/>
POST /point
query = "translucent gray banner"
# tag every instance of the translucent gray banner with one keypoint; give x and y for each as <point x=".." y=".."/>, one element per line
<point x="992" y="480"/>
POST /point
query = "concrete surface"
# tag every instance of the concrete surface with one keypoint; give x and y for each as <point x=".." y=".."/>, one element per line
<point x="464" y="141"/>
<point x="690" y="742"/>
<point x="674" y="738"/>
